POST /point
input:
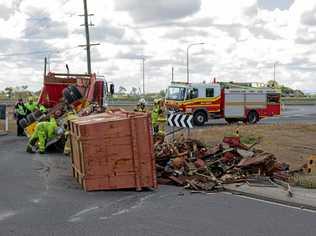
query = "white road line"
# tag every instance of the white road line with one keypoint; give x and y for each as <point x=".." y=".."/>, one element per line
<point x="7" y="214"/>
<point x="271" y="203"/>
<point x="76" y="217"/>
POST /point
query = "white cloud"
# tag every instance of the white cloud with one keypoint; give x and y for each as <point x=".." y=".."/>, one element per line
<point x="244" y="38"/>
<point x="158" y="11"/>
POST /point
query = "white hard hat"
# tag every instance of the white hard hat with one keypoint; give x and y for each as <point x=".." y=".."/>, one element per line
<point x="142" y="101"/>
<point x="59" y="131"/>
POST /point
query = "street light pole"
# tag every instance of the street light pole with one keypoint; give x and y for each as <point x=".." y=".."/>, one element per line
<point x="143" y="76"/>
<point x="274" y="72"/>
<point x="142" y="58"/>
<point x="188" y="78"/>
<point x="189" y="46"/>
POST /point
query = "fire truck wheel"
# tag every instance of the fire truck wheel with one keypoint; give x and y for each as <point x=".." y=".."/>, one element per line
<point x="252" y="117"/>
<point x="199" y="118"/>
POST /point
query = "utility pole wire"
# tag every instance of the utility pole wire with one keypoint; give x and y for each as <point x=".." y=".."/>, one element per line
<point x="28" y="53"/>
<point x="37" y="52"/>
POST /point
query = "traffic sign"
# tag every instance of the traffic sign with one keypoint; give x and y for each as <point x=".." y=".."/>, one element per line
<point x="180" y="120"/>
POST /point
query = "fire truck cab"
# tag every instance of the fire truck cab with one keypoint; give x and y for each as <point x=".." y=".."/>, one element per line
<point x="211" y="101"/>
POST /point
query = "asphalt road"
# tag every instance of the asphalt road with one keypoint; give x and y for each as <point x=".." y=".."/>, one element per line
<point x="290" y="114"/>
<point x="301" y="114"/>
<point x="39" y="197"/>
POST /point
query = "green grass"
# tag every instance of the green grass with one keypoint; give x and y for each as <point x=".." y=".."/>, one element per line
<point x="299" y="100"/>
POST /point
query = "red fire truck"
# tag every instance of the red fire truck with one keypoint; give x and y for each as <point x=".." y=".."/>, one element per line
<point x="213" y="101"/>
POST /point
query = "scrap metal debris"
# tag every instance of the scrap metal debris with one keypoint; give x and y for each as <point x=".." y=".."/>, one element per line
<point x="196" y="166"/>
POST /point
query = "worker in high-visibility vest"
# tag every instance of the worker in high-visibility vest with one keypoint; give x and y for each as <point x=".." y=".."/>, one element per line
<point x="161" y="117"/>
<point x="154" y="117"/>
<point x="158" y="117"/>
<point x="141" y="105"/>
<point x="42" y="108"/>
<point x="31" y="105"/>
<point x="69" y="117"/>
<point x="44" y="131"/>
<point x="20" y="113"/>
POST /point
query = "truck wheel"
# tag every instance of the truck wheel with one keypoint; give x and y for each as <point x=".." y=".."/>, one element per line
<point x="252" y="117"/>
<point x="34" y="116"/>
<point x="199" y="118"/>
<point x="23" y="123"/>
<point x="30" y="118"/>
<point x="37" y="114"/>
<point x="72" y="94"/>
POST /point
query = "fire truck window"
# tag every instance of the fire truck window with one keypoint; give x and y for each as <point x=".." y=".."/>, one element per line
<point x="273" y="98"/>
<point x="209" y="92"/>
<point x="194" y="93"/>
<point x="176" y="93"/>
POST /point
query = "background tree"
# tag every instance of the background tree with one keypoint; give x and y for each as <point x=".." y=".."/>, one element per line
<point x="162" y="93"/>
<point x="24" y="87"/>
<point x="133" y="91"/>
<point x="273" y="84"/>
<point x="9" y="92"/>
<point x="122" y="90"/>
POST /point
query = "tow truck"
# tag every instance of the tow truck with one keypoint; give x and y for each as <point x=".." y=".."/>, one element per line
<point x="217" y="100"/>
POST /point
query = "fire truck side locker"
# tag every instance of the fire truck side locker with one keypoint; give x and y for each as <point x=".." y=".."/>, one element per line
<point x="239" y="102"/>
<point x="234" y="104"/>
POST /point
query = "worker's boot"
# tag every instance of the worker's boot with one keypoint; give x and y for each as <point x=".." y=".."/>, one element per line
<point x="156" y="129"/>
<point x="29" y="148"/>
<point x="41" y="151"/>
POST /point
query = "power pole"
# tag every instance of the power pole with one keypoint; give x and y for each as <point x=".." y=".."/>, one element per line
<point x="45" y="66"/>
<point x="172" y="74"/>
<point x="48" y="63"/>
<point x="86" y="23"/>
<point x="88" y="44"/>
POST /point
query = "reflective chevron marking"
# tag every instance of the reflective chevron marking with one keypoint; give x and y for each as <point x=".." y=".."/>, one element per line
<point x="180" y="120"/>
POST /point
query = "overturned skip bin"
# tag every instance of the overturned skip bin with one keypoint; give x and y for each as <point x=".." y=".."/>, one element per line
<point x="113" y="151"/>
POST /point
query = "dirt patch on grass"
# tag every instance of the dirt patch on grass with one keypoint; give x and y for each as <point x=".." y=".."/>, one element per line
<point x="291" y="143"/>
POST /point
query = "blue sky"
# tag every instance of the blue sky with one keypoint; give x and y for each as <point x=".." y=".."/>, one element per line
<point x="273" y="4"/>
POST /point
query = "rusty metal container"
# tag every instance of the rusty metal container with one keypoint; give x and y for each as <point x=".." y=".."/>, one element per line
<point x="113" y="151"/>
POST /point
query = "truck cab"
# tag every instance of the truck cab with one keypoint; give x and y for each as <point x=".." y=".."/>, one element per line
<point x="72" y="89"/>
<point x="200" y="99"/>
